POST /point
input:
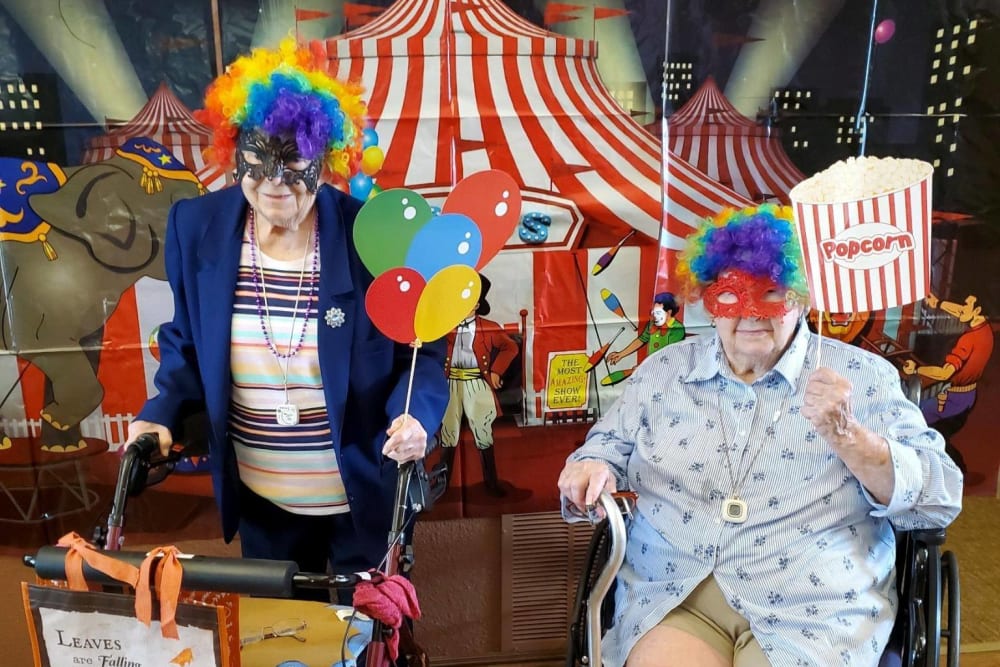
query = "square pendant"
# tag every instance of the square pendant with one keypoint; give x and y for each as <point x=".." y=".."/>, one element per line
<point x="287" y="414"/>
<point x="734" y="510"/>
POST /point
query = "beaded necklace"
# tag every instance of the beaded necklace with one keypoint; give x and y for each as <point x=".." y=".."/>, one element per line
<point x="286" y="414"/>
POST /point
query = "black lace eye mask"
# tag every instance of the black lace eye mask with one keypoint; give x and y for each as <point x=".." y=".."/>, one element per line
<point x="272" y="157"/>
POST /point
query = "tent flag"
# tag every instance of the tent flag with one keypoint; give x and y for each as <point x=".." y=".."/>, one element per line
<point x="607" y="13"/>
<point x="309" y="14"/>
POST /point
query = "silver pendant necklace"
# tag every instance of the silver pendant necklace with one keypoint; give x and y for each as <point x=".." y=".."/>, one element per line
<point x="286" y="414"/>
<point x="734" y="508"/>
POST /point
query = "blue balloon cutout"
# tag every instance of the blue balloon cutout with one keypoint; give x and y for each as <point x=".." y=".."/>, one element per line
<point x="361" y="186"/>
<point x="369" y="137"/>
<point x="446" y="239"/>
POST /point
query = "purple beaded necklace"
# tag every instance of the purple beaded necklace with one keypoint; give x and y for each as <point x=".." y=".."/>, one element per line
<point x="260" y="292"/>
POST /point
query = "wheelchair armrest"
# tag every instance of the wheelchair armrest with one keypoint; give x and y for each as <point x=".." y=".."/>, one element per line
<point x="928" y="536"/>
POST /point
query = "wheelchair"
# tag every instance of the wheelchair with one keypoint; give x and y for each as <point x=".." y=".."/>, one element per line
<point x="926" y="578"/>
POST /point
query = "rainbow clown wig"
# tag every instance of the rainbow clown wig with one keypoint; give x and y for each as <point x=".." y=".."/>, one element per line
<point x="760" y="241"/>
<point x="286" y="93"/>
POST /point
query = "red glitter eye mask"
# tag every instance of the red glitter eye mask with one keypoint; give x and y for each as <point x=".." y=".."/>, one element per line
<point x="739" y="295"/>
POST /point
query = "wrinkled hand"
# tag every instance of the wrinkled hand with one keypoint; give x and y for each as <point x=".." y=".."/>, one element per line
<point x="827" y="405"/>
<point x="139" y="427"/>
<point x="909" y="367"/>
<point x="581" y="482"/>
<point x="407" y="440"/>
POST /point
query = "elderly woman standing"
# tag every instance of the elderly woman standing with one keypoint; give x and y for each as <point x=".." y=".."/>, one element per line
<point x="768" y="488"/>
<point x="270" y="334"/>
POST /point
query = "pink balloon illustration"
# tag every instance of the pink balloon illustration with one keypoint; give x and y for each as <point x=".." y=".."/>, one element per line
<point x="391" y="302"/>
<point x="492" y="199"/>
<point x="884" y="31"/>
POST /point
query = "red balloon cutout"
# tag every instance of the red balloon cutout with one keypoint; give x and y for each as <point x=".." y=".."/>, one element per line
<point x="884" y="31"/>
<point x="391" y="302"/>
<point x="492" y="200"/>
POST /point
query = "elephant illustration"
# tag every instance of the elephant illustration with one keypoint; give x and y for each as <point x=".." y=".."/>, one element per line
<point x="71" y="242"/>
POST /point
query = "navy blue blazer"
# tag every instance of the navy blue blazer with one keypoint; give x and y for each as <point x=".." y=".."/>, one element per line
<point x="364" y="373"/>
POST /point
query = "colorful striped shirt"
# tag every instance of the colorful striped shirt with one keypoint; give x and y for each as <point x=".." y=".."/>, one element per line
<point x="295" y="467"/>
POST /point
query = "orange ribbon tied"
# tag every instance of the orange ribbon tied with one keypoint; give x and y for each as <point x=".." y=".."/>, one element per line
<point x="81" y="551"/>
<point x="167" y="576"/>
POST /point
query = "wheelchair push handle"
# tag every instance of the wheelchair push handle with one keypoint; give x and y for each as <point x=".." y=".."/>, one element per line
<point x="613" y="511"/>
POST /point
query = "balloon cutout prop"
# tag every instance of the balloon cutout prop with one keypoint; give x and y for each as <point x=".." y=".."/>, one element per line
<point x="426" y="263"/>
<point x="493" y="200"/>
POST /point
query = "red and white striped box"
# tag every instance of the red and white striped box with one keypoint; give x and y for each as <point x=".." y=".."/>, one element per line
<point x="871" y="253"/>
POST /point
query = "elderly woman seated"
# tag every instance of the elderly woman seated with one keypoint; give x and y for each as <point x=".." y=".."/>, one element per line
<point x="768" y="483"/>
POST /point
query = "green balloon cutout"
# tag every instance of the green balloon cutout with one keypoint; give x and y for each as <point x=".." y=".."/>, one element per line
<point x="385" y="226"/>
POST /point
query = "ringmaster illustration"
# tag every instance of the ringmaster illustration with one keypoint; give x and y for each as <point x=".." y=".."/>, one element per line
<point x="479" y="353"/>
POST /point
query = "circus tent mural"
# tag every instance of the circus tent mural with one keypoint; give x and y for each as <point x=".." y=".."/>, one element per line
<point x="458" y="88"/>
<point x="165" y="119"/>
<point x="732" y="149"/>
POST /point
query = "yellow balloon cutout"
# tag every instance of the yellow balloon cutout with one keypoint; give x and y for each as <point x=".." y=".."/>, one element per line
<point x="448" y="297"/>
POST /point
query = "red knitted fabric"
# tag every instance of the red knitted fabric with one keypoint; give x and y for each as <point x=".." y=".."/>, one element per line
<point x="388" y="600"/>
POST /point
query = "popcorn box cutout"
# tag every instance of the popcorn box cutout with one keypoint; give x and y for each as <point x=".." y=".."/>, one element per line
<point x="868" y="250"/>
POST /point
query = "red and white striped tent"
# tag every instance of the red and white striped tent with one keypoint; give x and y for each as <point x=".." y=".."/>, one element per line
<point x="460" y="86"/>
<point x="713" y="136"/>
<point x="166" y="120"/>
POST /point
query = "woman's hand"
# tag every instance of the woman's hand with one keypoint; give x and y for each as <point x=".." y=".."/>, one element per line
<point x="407" y="440"/>
<point x="827" y="405"/>
<point x="581" y="482"/>
<point x="139" y="427"/>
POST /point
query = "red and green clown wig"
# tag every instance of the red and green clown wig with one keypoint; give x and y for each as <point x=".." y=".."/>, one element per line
<point x="285" y="92"/>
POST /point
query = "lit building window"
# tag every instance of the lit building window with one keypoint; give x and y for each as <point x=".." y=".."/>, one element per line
<point x="954" y="118"/>
<point x="973" y="23"/>
<point x="21" y="88"/>
<point x="930" y="110"/>
<point x="797" y="105"/>
<point x="933" y="78"/>
<point x="38" y="124"/>
<point x="971" y="40"/>
<point x="951" y="171"/>
<point x="10" y="104"/>
<point x="41" y="150"/>
<point x="34" y="89"/>
<point x="795" y="144"/>
<point x="841" y="119"/>
<point x="798" y="93"/>
<point x="957" y="29"/>
<point x="24" y="104"/>
<point x="952" y="148"/>
<point x="942" y="106"/>
<point x="840" y="140"/>
<point x="777" y="93"/>
<point x="940" y="33"/>
<point x="31" y="151"/>
<point x="849" y="140"/>
<point x="954" y="43"/>
<point x="10" y="88"/>
<point x="938" y="139"/>
<point x="936" y="63"/>
<point x="958" y="101"/>
<point x="852" y="119"/>
<point x="940" y="122"/>
<point x="784" y="105"/>
<point x="937" y="163"/>
<point x="14" y="125"/>
<point x="35" y="104"/>
<point x="950" y="76"/>
<point x="689" y="86"/>
<point x="951" y="61"/>
<point x="937" y="48"/>
<point x="840" y="130"/>
<point x="966" y="69"/>
<point x="3" y="126"/>
<point x="805" y="144"/>
<point x="793" y="129"/>
<point x="808" y="94"/>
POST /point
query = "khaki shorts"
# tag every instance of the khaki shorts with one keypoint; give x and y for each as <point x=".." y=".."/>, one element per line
<point x="706" y="615"/>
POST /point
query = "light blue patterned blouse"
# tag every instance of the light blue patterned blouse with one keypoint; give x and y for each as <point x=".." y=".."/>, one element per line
<point x="812" y="568"/>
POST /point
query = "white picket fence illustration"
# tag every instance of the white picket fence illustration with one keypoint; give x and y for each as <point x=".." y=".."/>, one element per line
<point x="111" y="428"/>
